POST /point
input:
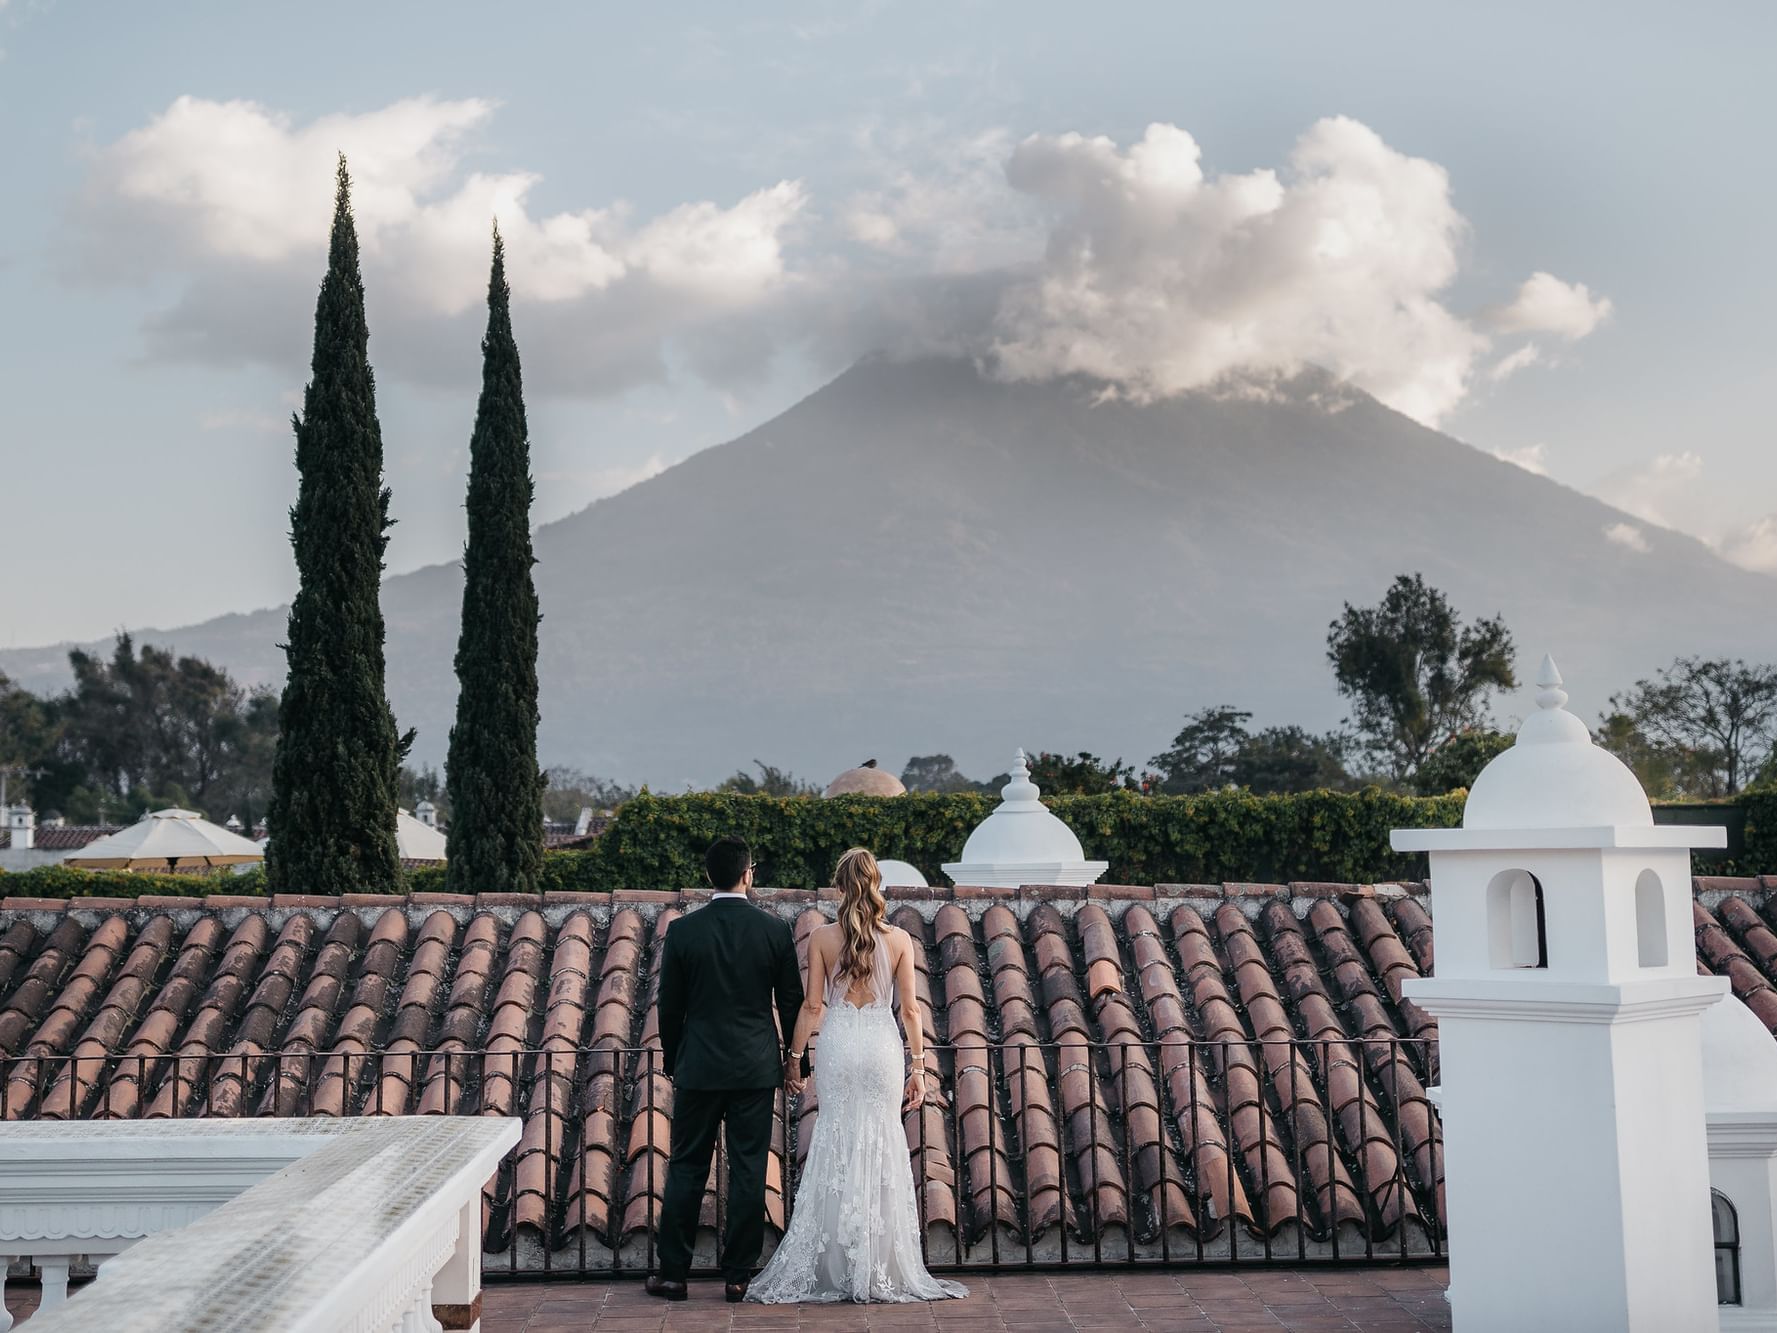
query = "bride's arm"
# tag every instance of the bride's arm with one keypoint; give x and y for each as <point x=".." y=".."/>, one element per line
<point x="910" y="1021"/>
<point x="808" y="1017"/>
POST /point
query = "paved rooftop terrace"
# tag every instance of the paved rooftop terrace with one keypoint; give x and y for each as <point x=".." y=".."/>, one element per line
<point x="1377" y="1300"/>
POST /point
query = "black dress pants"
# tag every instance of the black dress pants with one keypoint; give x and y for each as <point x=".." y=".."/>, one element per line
<point x="697" y="1114"/>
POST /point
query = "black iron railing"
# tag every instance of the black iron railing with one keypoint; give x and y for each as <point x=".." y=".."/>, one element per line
<point x="1027" y="1154"/>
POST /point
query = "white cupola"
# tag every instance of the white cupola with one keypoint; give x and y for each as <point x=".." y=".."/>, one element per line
<point x="21" y="822"/>
<point x="1567" y="1000"/>
<point x="1022" y="842"/>
<point x="1740" y="1101"/>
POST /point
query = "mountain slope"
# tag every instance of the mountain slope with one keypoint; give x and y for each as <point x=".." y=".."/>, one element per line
<point x="915" y="558"/>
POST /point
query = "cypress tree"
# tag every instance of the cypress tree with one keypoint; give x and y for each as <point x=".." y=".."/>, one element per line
<point x="496" y="790"/>
<point x="332" y="811"/>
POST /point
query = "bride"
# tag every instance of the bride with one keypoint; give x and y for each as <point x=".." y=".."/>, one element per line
<point x="854" y="1235"/>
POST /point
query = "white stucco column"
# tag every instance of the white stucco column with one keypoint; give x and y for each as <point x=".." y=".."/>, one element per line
<point x="1567" y="1000"/>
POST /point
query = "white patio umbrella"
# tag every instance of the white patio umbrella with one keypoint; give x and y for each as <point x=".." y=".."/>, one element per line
<point x="414" y="841"/>
<point x="167" y="840"/>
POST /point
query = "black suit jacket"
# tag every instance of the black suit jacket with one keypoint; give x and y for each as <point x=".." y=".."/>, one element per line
<point x="723" y="968"/>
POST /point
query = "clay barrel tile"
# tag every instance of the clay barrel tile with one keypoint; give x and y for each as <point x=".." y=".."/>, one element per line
<point x="1413" y="923"/>
<point x="1292" y="1078"/>
<point x="1753" y="932"/>
<point x="510" y="1027"/>
<point x="185" y="1082"/>
<point x="1251" y="1132"/>
<point x="460" y="1028"/>
<point x="15" y="947"/>
<point x="1730" y="960"/>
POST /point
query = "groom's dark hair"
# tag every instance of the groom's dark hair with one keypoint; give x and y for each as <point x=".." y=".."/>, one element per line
<point x="726" y="862"/>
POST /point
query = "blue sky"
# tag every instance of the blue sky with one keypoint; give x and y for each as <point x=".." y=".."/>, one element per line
<point x="711" y="211"/>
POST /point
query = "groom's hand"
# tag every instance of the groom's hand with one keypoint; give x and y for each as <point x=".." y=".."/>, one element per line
<point x="793" y="1077"/>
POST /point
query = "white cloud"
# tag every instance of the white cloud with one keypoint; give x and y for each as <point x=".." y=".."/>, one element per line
<point x="1627" y="534"/>
<point x="1532" y="458"/>
<point x="1650" y="491"/>
<point x="1161" y="278"/>
<point x="1753" y="547"/>
<point x="237" y="198"/>
<point x="1510" y="364"/>
<point x="1545" y="304"/>
<point x="1057" y="255"/>
<point x="942" y="200"/>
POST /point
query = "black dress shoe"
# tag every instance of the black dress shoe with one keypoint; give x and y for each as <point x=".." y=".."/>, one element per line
<point x="735" y="1292"/>
<point x="665" y="1288"/>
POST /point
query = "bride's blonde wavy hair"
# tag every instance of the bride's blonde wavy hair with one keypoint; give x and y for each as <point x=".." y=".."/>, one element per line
<point x="862" y="911"/>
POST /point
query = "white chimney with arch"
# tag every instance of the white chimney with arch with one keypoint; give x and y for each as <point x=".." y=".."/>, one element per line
<point x="1568" y="1001"/>
<point x="21" y="822"/>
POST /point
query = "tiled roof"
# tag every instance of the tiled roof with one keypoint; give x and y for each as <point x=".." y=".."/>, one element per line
<point x="1122" y="1062"/>
<point x="63" y="838"/>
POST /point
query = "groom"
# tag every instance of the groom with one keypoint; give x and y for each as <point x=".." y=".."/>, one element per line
<point x="723" y="967"/>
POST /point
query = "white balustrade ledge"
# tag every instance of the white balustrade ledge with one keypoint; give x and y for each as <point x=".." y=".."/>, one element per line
<point x="368" y="1225"/>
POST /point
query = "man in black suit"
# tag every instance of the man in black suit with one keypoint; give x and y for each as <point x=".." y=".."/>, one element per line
<point x="723" y="967"/>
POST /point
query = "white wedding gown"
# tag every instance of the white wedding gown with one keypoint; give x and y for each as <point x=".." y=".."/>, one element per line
<point x="854" y="1235"/>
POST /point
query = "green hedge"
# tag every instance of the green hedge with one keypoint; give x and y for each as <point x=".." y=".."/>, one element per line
<point x="66" y="882"/>
<point x="657" y="842"/>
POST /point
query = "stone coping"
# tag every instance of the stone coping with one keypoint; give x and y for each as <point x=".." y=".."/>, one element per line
<point x="326" y="1242"/>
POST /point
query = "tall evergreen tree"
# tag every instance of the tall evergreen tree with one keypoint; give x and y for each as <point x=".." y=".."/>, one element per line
<point x="332" y="811"/>
<point x="496" y="789"/>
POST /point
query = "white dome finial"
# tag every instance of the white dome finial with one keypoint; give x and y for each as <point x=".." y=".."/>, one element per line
<point x="1548" y="682"/>
<point x="1021" y="790"/>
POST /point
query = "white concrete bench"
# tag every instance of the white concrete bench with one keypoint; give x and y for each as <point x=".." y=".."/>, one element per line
<point x="369" y="1224"/>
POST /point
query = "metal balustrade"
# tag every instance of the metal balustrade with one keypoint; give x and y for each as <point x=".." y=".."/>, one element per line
<point x="1028" y="1154"/>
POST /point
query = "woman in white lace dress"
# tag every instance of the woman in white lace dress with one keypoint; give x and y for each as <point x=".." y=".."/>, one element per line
<point x="854" y="1235"/>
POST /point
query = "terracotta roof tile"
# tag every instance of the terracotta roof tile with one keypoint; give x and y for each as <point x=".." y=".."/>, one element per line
<point x="1108" y="1072"/>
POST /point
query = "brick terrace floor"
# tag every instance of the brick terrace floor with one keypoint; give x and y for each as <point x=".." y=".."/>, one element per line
<point x="1377" y="1300"/>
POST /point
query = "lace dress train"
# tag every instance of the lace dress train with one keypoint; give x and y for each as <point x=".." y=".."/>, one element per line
<point x="854" y="1235"/>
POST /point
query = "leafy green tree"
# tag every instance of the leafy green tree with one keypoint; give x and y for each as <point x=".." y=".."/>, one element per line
<point x="1291" y="759"/>
<point x="1414" y="673"/>
<point x="1205" y="752"/>
<point x="496" y="788"/>
<point x="571" y="790"/>
<point x="144" y="730"/>
<point x="772" y="781"/>
<point x="1459" y="760"/>
<point x="332" y="811"/>
<point x="1083" y="774"/>
<point x="1214" y="750"/>
<point x="937" y="772"/>
<point x="1702" y="726"/>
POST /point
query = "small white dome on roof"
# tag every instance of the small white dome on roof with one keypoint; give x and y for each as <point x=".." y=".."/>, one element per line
<point x="865" y="780"/>
<point x="1554" y="777"/>
<point x="1021" y="828"/>
<point x="1739" y="1059"/>
<point x="1022" y="842"/>
<point x="901" y="875"/>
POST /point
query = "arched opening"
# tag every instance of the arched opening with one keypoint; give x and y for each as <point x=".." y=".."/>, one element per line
<point x="1727" y="1249"/>
<point x="1650" y="919"/>
<point x="1516" y="934"/>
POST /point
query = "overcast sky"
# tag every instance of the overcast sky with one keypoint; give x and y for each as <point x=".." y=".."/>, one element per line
<point x="1542" y="228"/>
